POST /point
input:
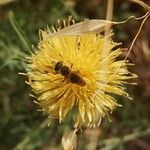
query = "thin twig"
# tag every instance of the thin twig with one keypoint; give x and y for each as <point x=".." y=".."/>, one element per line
<point x="137" y="35"/>
<point x="145" y="6"/>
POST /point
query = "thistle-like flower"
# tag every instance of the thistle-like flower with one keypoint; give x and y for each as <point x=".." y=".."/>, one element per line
<point x="80" y="73"/>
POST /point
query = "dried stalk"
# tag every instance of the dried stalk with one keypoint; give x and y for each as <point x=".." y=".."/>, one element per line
<point x="109" y="15"/>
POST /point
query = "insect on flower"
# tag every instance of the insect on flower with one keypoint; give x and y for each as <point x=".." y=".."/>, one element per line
<point x="78" y="72"/>
<point x="68" y="74"/>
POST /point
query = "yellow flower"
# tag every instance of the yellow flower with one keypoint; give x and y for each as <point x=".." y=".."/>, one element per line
<point x="80" y="73"/>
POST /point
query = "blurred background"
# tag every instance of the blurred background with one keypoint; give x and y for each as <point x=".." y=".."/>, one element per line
<point x="24" y="128"/>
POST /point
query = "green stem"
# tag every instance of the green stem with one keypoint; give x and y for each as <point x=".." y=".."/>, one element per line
<point x="19" y="32"/>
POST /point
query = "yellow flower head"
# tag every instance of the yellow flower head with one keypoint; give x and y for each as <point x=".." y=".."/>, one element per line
<point x="80" y="73"/>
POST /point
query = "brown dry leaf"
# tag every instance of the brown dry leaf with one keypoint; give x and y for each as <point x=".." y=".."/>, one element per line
<point x="69" y="140"/>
